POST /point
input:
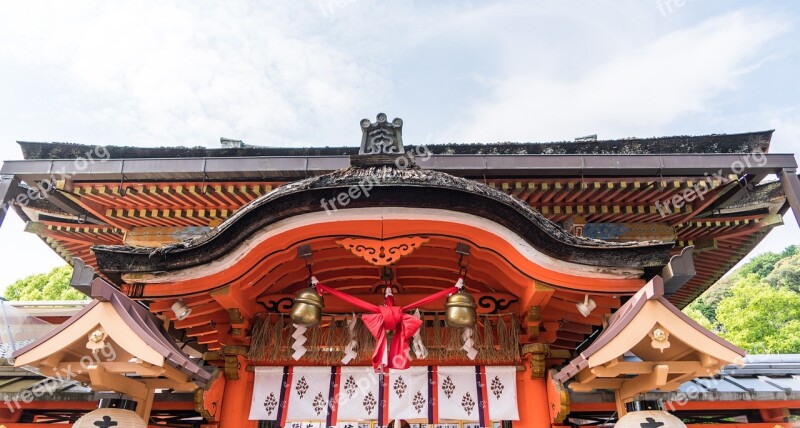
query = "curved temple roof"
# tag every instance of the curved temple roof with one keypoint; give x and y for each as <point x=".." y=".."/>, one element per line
<point x="137" y="319"/>
<point x="385" y="186"/>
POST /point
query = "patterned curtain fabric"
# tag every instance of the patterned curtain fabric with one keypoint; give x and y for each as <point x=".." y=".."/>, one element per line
<point x="359" y="393"/>
<point x="267" y="394"/>
<point x="408" y="394"/>
<point x="342" y="396"/>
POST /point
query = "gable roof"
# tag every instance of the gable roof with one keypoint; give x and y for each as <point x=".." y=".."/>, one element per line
<point x="137" y="318"/>
<point x="597" y="353"/>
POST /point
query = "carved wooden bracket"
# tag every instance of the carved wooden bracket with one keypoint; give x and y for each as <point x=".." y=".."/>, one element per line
<point x="231" y="356"/>
<point x="239" y="325"/>
<point x="532" y="322"/>
<point x="382" y="252"/>
<point x="538" y="353"/>
<point x="558" y="397"/>
<point x="208" y="401"/>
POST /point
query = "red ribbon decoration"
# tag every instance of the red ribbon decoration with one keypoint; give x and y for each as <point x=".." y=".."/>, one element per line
<point x="388" y="317"/>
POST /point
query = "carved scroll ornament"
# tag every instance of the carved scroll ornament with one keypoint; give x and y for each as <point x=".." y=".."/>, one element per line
<point x="382" y="252"/>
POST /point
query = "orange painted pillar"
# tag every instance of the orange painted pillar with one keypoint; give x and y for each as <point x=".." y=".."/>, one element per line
<point x="532" y="401"/>
<point x="236" y="399"/>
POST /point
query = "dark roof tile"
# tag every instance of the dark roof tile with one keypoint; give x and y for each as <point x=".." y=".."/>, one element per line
<point x="714" y="143"/>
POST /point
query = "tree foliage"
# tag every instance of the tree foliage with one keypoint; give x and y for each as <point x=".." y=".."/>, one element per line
<point x="763" y="264"/>
<point x="53" y="285"/>
<point x="697" y="315"/>
<point x="761" y="318"/>
<point x="757" y="307"/>
<point x="786" y="274"/>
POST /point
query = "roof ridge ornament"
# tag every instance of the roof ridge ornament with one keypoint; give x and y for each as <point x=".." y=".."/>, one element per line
<point x="381" y="143"/>
<point x="381" y="137"/>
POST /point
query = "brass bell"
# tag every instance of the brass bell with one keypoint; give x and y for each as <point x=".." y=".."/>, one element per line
<point x="460" y="310"/>
<point x="307" y="308"/>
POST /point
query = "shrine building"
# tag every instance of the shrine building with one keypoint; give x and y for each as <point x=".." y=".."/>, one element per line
<point x="395" y="284"/>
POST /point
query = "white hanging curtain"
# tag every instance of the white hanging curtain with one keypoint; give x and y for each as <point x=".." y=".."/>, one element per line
<point x="347" y="396"/>
<point x="309" y="394"/>
<point x="501" y="389"/>
<point x="408" y="394"/>
<point x="267" y="394"/>
<point x="458" y="393"/>
<point x="359" y="393"/>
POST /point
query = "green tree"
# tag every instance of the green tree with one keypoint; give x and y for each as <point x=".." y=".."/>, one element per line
<point x="763" y="264"/>
<point x="780" y="270"/>
<point x="703" y="309"/>
<point x="53" y="285"/>
<point x="708" y="301"/>
<point x="786" y="274"/>
<point x="696" y="313"/>
<point x="761" y="318"/>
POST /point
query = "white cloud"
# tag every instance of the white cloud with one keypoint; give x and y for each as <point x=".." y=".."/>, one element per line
<point x="635" y="93"/>
<point x="184" y="75"/>
<point x="786" y="124"/>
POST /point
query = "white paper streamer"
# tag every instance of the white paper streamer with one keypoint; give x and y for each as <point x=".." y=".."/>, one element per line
<point x="419" y="348"/>
<point x="299" y="340"/>
<point x="350" y="349"/>
<point x="466" y="336"/>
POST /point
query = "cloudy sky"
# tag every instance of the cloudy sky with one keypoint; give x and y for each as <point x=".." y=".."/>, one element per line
<point x="304" y="73"/>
